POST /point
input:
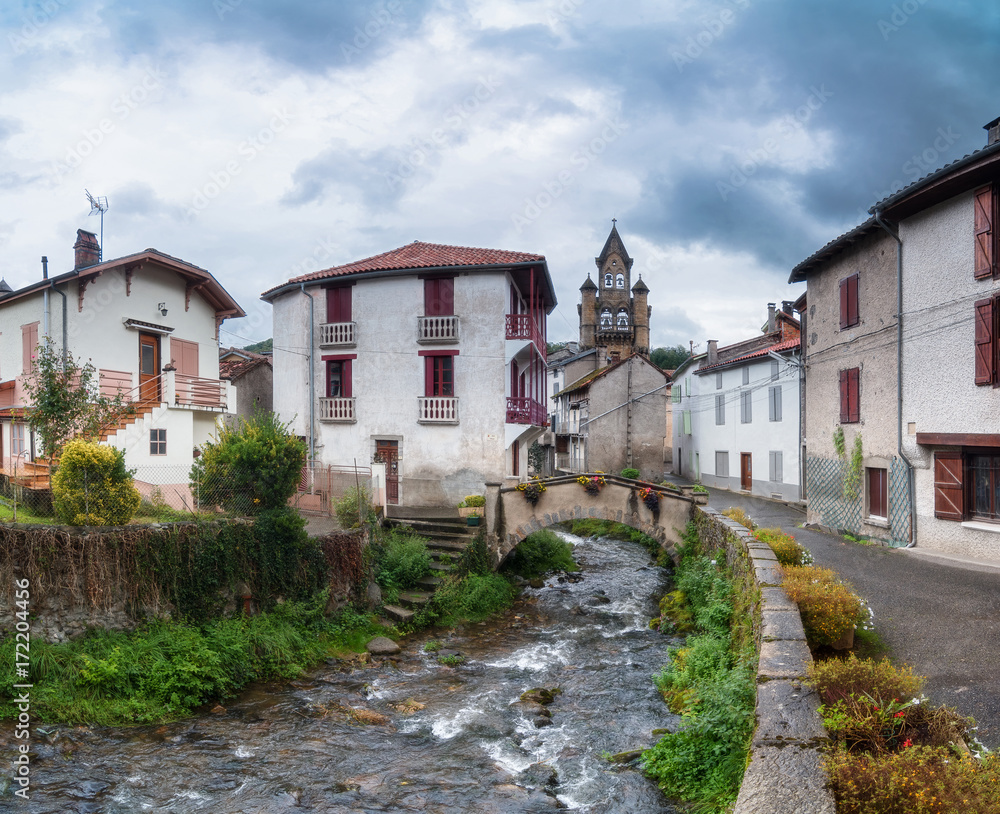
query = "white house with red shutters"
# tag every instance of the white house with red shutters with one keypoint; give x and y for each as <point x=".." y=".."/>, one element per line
<point x="149" y="324"/>
<point x="429" y="358"/>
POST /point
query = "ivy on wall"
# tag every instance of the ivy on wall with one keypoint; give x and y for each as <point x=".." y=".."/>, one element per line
<point x="852" y="468"/>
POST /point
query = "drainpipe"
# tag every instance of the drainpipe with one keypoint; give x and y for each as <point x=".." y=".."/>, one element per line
<point x="899" y="375"/>
<point x="45" y="299"/>
<point x="52" y="285"/>
<point x="312" y="373"/>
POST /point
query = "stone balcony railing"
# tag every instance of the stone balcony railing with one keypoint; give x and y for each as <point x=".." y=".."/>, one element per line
<point x="438" y="329"/>
<point x="437" y="410"/>
<point x="337" y="335"/>
<point x="337" y="410"/>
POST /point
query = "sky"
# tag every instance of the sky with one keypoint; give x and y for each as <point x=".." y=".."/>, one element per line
<point x="260" y="140"/>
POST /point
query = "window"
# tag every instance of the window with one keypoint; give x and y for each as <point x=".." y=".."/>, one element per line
<point x="606" y="318"/>
<point x="985" y="214"/>
<point x="720" y="410"/>
<point x="608" y="280"/>
<point x="746" y="407"/>
<point x="158" y="442"/>
<point x="338" y="377"/>
<point x="775" y="472"/>
<point x="718" y="381"/>
<point x="338" y="301"/>
<point x="967" y="484"/>
<point x="439" y="297"/>
<point x="17" y="439"/>
<point x="619" y="280"/>
<point x="623" y="318"/>
<point x="675" y="393"/>
<point x="774" y="403"/>
<point x="722" y="464"/>
<point x="746" y="375"/>
<point x="878" y="493"/>
<point x="774" y="370"/>
<point x="850" y="401"/>
<point x="984" y="492"/>
<point x="849" y="302"/>
<point x="986" y="312"/>
<point x="29" y="345"/>
<point x="440" y="376"/>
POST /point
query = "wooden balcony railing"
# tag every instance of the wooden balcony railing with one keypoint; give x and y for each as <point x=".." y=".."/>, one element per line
<point x="437" y="410"/>
<point x="524" y="326"/>
<point x="337" y="334"/>
<point x="525" y="411"/>
<point x="337" y="409"/>
<point x="437" y="329"/>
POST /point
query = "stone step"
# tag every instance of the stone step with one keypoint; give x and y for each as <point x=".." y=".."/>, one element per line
<point x="430" y="583"/>
<point x="398" y="614"/>
<point x="448" y="545"/>
<point x="414" y="600"/>
<point x="445" y="566"/>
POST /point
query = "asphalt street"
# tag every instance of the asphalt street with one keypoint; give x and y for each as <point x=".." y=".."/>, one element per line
<point x="939" y="615"/>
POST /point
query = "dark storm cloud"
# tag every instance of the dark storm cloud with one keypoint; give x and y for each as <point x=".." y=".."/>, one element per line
<point x="342" y="172"/>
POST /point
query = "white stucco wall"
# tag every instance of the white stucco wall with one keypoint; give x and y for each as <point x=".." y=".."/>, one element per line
<point x="939" y="294"/>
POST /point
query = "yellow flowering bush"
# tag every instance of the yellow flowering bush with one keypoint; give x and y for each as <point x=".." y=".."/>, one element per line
<point x="784" y="547"/>
<point x="92" y="487"/>
<point x="828" y="607"/>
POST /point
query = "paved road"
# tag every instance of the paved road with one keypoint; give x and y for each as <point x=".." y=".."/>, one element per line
<point x="942" y="616"/>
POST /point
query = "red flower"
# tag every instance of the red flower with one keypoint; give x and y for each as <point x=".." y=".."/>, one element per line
<point x="907" y="743"/>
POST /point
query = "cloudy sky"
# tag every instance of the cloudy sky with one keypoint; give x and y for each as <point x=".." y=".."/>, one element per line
<point x="262" y="139"/>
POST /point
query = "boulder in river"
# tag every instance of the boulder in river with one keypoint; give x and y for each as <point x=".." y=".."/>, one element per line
<point x="382" y="646"/>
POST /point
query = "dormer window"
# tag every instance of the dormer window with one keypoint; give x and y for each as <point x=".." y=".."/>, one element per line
<point x="620" y="280"/>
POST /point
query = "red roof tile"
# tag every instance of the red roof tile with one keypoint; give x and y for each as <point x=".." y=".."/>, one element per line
<point x="788" y="344"/>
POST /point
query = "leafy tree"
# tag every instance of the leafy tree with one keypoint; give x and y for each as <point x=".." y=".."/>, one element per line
<point x="536" y="457"/>
<point x="66" y="400"/>
<point x="251" y="467"/>
<point x="552" y="347"/>
<point x="264" y="346"/>
<point x="669" y="358"/>
<point x="92" y="487"/>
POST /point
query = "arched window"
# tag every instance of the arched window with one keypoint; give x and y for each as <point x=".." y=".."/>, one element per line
<point x="620" y="280"/>
<point x="606" y="318"/>
<point x="623" y="318"/>
<point x="607" y="280"/>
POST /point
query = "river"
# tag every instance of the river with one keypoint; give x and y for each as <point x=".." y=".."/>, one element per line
<point x="452" y="739"/>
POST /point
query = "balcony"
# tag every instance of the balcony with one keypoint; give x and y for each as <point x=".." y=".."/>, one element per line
<point x="523" y="326"/>
<point x="525" y="411"/>
<point x="195" y="393"/>
<point x="337" y="410"/>
<point x="337" y="335"/>
<point x="437" y="410"/>
<point x="443" y="329"/>
<point x="569" y="462"/>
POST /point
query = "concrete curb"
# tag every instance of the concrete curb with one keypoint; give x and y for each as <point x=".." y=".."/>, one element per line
<point x="784" y="774"/>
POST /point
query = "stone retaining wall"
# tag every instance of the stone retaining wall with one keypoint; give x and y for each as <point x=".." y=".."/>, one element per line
<point x="784" y="775"/>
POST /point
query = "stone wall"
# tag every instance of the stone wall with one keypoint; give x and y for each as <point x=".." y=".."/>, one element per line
<point x="785" y="775"/>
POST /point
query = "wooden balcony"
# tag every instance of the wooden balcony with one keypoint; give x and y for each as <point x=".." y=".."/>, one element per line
<point x="443" y="329"/>
<point x="437" y="410"/>
<point x="340" y="410"/>
<point x="524" y="326"/>
<point x="337" y="335"/>
<point x="197" y="393"/>
<point x="526" y="411"/>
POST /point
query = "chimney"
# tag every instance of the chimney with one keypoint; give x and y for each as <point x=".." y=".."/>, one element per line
<point x="788" y="307"/>
<point x="771" y="324"/>
<point x="713" y="351"/>
<point x="992" y="132"/>
<point x="87" y="249"/>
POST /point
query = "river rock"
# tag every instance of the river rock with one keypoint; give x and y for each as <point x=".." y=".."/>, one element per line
<point x="541" y="722"/>
<point x="382" y="646"/>
<point x="540" y="695"/>
<point x="536" y="583"/>
<point x="539" y="775"/>
<point x="374" y="593"/>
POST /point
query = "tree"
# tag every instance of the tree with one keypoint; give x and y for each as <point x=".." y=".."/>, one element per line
<point x="66" y="400"/>
<point x="92" y="487"/>
<point x="251" y="467"/>
<point x="265" y="346"/>
<point x="536" y="457"/>
<point x="669" y="358"/>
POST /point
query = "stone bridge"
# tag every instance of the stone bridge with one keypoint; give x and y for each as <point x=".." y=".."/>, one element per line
<point x="510" y="517"/>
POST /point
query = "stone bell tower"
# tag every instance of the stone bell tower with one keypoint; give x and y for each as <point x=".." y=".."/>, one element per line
<point x="614" y="314"/>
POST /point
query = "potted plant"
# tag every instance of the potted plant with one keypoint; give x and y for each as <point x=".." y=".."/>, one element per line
<point x="650" y="498"/>
<point x="532" y="490"/>
<point x="700" y="494"/>
<point x="472" y="506"/>
<point x="592" y="483"/>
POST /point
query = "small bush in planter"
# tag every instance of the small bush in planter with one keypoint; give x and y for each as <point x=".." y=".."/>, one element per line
<point x="650" y="498"/>
<point x="673" y="487"/>
<point x="532" y="490"/>
<point x="828" y="607"/>
<point x="698" y="489"/>
<point x="472" y="502"/>
<point x="784" y="547"/>
<point x="740" y="517"/>
<point x="630" y="473"/>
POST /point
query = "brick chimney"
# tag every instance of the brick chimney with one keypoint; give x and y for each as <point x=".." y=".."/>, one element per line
<point x="992" y="132"/>
<point x="87" y="250"/>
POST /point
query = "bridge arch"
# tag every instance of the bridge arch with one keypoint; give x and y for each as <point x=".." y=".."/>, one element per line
<point x="510" y="517"/>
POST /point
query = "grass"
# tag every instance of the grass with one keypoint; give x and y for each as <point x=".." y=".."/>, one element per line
<point x="167" y="670"/>
<point x="539" y="554"/>
<point x="23" y="515"/>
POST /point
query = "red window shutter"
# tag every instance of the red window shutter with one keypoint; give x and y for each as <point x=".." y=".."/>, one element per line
<point x="843" y="304"/>
<point x="984" y="211"/>
<point x="849" y="301"/>
<point x="29" y="344"/>
<point x="428" y="375"/>
<point x="439" y="297"/>
<point x="844" y="400"/>
<point x="949" y="490"/>
<point x="985" y="342"/>
<point x="338" y="304"/>
<point x="854" y="395"/>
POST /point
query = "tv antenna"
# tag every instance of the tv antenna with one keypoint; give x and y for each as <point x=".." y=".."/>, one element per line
<point x="99" y="204"/>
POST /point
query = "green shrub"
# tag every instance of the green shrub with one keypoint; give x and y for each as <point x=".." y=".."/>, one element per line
<point x="541" y="553"/>
<point x="828" y="607"/>
<point x="740" y="517"/>
<point x="836" y="679"/>
<point x="354" y="508"/>
<point x="630" y="473"/>
<point x="402" y="562"/>
<point x="92" y="487"/>
<point x="784" y="547"/>
<point x="699" y="489"/>
<point x="472" y="502"/>
<point x="467" y="599"/>
<point x="251" y="467"/>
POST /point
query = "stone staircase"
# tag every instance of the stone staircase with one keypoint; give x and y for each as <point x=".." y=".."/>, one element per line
<point x="447" y="537"/>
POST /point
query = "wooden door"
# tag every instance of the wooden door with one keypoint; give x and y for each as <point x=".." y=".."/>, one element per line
<point x="746" y="472"/>
<point x="388" y="453"/>
<point x="149" y="367"/>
